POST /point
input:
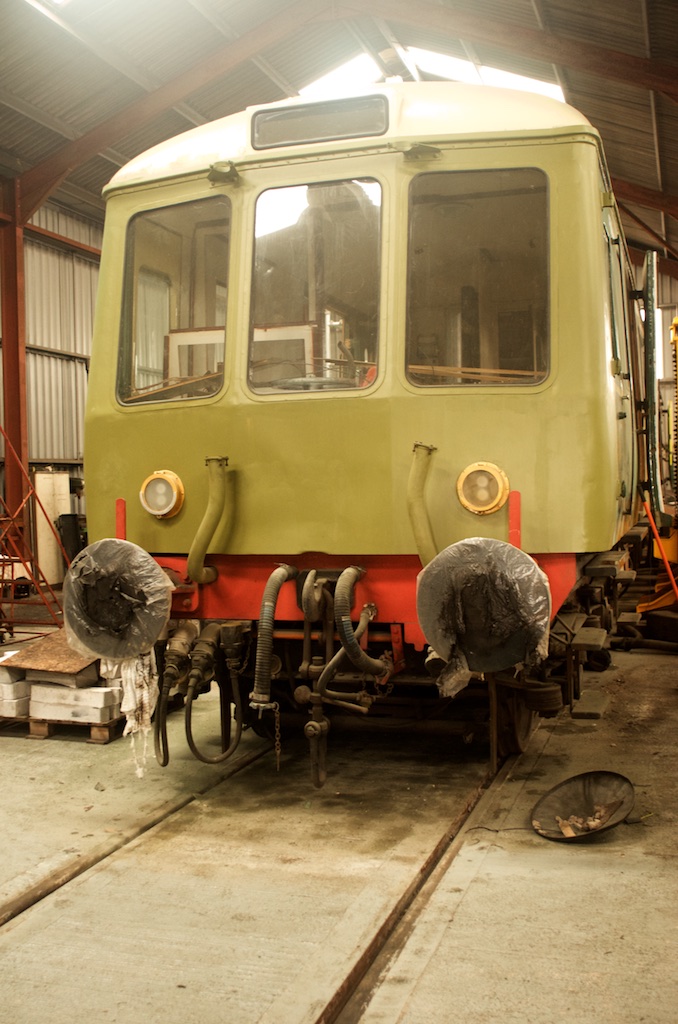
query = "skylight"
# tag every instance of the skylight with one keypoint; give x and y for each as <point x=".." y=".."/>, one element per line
<point x="363" y="71"/>
<point x="355" y="74"/>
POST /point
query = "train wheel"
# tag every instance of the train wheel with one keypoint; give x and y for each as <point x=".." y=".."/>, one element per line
<point x="515" y="721"/>
<point x="598" y="661"/>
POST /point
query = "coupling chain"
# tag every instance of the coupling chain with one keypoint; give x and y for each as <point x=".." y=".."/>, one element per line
<point x="385" y="688"/>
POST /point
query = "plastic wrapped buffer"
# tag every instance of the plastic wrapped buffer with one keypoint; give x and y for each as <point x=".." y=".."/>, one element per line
<point x="116" y="600"/>
<point x="484" y="605"/>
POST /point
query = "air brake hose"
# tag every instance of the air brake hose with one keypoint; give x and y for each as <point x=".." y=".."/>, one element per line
<point x="343" y="600"/>
<point x="235" y="687"/>
<point x="176" y="663"/>
<point x="261" y="693"/>
<point x="169" y="679"/>
<point x="196" y="568"/>
<point x="202" y="661"/>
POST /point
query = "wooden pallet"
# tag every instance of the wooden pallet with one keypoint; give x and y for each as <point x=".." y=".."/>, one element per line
<point x="99" y="732"/>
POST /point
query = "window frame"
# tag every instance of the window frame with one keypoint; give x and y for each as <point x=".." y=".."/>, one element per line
<point x="495" y="377"/>
<point x="212" y="224"/>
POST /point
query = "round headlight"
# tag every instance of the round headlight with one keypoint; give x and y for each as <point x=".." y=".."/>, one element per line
<point x="162" y="494"/>
<point x="483" y="488"/>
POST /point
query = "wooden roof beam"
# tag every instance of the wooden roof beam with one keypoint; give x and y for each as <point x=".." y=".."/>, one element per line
<point x="649" y="198"/>
<point x="217" y="20"/>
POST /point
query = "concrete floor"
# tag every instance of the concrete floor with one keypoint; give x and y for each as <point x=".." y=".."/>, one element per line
<point x="254" y="902"/>
<point x="68" y="803"/>
<point x="516" y="928"/>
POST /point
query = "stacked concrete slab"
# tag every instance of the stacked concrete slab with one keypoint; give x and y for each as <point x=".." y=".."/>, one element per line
<point x="14" y="693"/>
<point x="48" y="682"/>
<point x="51" y="702"/>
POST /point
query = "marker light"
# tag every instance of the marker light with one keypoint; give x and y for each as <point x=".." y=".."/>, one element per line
<point x="162" y="494"/>
<point x="483" y="488"/>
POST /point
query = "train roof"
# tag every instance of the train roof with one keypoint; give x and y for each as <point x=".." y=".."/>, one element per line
<point x="415" y="110"/>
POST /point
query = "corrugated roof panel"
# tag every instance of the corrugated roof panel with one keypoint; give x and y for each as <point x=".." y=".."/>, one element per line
<point x="22" y="137"/>
<point x="164" y="38"/>
<point x="245" y="15"/>
<point x="319" y="49"/>
<point x="93" y="175"/>
<point x="667" y="120"/>
<point x="615" y="110"/>
<point x="28" y="40"/>
<point x="661" y="15"/>
<point x="518" y="12"/>
<point x="88" y="109"/>
<point x="612" y="24"/>
<point x="47" y="67"/>
<point x="166" y="126"/>
<point x="235" y="91"/>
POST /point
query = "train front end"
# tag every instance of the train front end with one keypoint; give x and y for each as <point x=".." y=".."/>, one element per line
<point x="353" y="389"/>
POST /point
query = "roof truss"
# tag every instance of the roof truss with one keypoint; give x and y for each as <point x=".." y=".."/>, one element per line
<point x="389" y="20"/>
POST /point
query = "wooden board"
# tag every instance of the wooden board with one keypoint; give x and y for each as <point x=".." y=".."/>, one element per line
<point x="98" y="733"/>
<point x="49" y="653"/>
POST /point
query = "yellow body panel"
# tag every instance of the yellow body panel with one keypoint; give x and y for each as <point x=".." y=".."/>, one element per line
<point x="328" y="471"/>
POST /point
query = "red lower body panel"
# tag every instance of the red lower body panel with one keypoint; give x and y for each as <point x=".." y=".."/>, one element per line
<point x="389" y="583"/>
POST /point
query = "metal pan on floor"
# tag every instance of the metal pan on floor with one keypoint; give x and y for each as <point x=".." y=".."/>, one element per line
<point x="583" y="806"/>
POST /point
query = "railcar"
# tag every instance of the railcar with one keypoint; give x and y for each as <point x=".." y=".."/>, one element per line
<point x="367" y="383"/>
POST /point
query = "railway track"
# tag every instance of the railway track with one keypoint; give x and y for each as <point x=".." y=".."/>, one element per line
<point x="260" y="899"/>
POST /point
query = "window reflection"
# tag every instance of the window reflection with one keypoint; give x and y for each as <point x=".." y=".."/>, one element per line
<point x="315" y="287"/>
<point x="173" y="330"/>
<point x="478" y="278"/>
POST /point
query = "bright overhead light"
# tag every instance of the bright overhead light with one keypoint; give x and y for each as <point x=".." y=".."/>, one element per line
<point x="363" y="71"/>
<point x="458" y="70"/>
<point x="507" y="80"/>
<point x="443" y="66"/>
<point x="47" y="7"/>
<point x="355" y="74"/>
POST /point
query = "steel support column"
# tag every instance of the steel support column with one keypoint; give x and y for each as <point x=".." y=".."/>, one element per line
<point x="12" y="290"/>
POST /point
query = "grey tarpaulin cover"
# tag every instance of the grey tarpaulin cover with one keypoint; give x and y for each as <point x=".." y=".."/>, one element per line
<point x="116" y="600"/>
<point x="484" y="606"/>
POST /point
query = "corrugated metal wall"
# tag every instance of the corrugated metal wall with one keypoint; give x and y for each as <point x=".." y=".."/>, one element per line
<point x="60" y="297"/>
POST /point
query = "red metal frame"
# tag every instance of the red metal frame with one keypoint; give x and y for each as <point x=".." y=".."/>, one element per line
<point x="15" y="549"/>
<point x="12" y="288"/>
